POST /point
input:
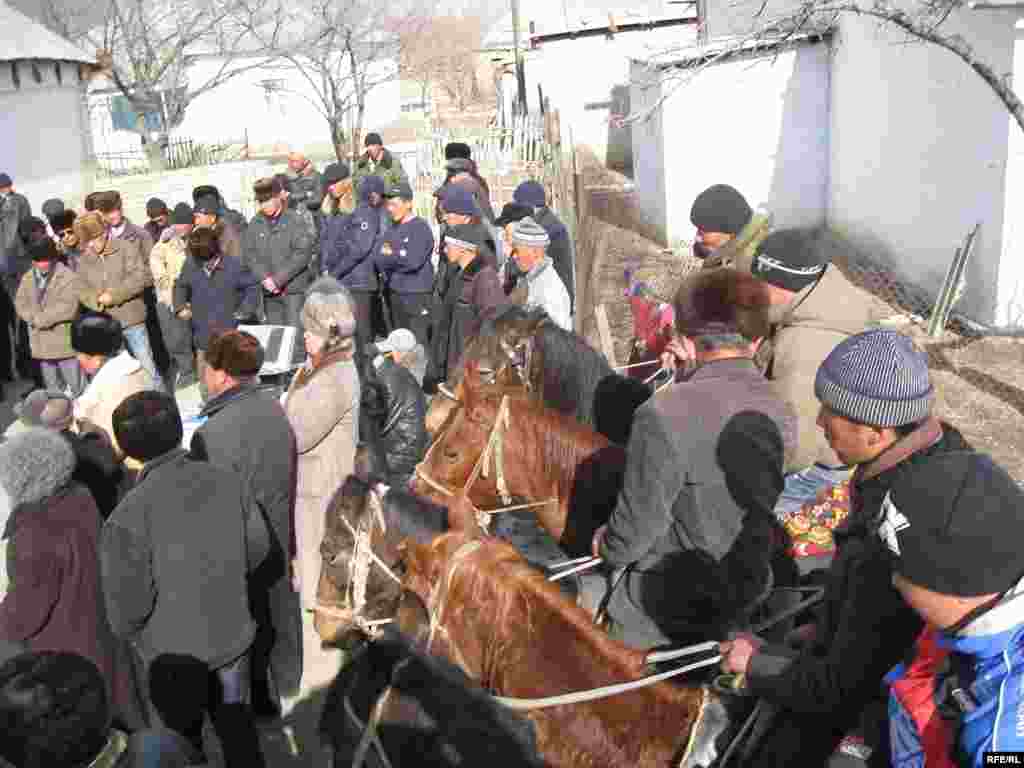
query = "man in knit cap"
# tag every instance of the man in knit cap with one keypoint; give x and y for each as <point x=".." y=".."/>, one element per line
<point x="545" y="288"/>
<point x="560" y="249"/>
<point x="694" y="520"/>
<point x="166" y="262"/>
<point x="728" y="229"/>
<point x="378" y="161"/>
<point x="876" y="403"/>
<point x="159" y="216"/>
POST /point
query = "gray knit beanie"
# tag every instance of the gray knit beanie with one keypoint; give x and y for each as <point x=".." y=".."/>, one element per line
<point x="878" y="377"/>
<point x="531" y="234"/>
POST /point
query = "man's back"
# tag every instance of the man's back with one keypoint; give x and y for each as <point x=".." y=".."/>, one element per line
<point x="174" y="557"/>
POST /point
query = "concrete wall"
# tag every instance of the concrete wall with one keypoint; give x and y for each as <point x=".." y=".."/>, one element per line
<point x="649" y="148"/>
<point x="1010" y="285"/>
<point x="44" y="138"/>
<point x="760" y="125"/>
<point x="919" y="151"/>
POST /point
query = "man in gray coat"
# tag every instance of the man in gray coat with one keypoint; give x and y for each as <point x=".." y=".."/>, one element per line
<point x="693" y="526"/>
<point x="248" y="433"/>
<point x="14" y="209"/>
<point x="174" y="559"/>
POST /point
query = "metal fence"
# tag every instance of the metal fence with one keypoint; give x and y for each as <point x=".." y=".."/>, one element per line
<point x="177" y="154"/>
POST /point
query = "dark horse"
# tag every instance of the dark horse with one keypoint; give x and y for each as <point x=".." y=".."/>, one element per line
<point x="541" y="455"/>
<point x="558" y="366"/>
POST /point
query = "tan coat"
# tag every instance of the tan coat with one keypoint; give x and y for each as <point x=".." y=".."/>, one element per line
<point x="119" y="378"/>
<point x="121" y="271"/>
<point x="323" y="408"/>
<point x="49" y="320"/>
<point x="831" y="312"/>
<point x="165" y="262"/>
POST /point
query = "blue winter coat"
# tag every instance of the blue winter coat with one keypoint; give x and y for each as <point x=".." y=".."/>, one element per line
<point x="990" y="655"/>
<point x="403" y="254"/>
<point x="215" y="299"/>
<point x="347" y="243"/>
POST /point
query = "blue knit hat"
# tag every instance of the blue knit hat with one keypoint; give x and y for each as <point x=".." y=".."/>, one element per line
<point x="877" y="377"/>
<point x="530" y="193"/>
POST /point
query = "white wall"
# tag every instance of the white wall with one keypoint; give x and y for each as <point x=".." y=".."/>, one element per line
<point x="649" y="147"/>
<point x="760" y="125"/>
<point x="44" y="142"/>
<point x="1010" y="285"/>
<point x="919" y="150"/>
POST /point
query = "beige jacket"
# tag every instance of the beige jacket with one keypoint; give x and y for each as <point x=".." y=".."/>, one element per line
<point x="822" y="317"/>
<point x="322" y="405"/>
<point x="49" y="319"/>
<point x="119" y="270"/>
<point x="165" y="262"/>
<point x="119" y="378"/>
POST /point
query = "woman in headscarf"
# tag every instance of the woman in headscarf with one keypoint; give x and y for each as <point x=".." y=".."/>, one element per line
<point x="323" y="408"/>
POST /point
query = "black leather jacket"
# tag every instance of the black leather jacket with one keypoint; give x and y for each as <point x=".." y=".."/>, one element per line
<point x="403" y="434"/>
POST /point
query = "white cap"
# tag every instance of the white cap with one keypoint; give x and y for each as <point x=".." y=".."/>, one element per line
<point x="401" y="340"/>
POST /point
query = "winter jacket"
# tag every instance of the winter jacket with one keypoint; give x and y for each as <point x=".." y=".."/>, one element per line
<point x="216" y="298"/>
<point x="55" y="602"/>
<point x="560" y="251"/>
<point x="247" y="432"/>
<point x="471" y="296"/>
<point x="98" y="469"/>
<point x="166" y="261"/>
<point x="403" y="256"/>
<point x="119" y="271"/>
<point x="155" y="231"/>
<point x="546" y="290"/>
<point x="863" y="629"/>
<point x="389" y="168"/>
<point x="279" y="248"/>
<point x="306" y="190"/>
<point x="49" y="309"/>
<point x="346" y="246"/>
<point x="138" y="238"/>
<point x="323" y="408"/>
<point x="174" y="558"/>
<point x="821" y="317"/>
<point x="14" y="209"/>
<point x="403" y="435"/>
<point x="695" y="511"/>
<point x="119" y="378"/>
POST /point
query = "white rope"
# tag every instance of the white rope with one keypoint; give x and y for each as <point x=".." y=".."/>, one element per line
<point x="581" y="697"/>
<point x="579" y="568"/>
<point x="635" y="365"/>
<point x="567" y="563"/>
<point x="666" y="385"/>
<point x="657" y="657"/>
<point x="380" y="563"/>
<point x="655" y="375"/>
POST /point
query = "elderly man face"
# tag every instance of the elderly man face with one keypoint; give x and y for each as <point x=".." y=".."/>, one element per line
<point x="527" y="256"/>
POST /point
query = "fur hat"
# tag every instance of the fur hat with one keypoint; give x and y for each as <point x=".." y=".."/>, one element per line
<point x="34" y="465"/>
<point x="373" y="139"/>
<point x="207" y="204"/>
<point x="334" y="173"/>
<point x="52" y="208"/>
<point x="457" y="149"/>
<point x="108" y="201"/>
<point x="266" y="188"/>
<point x="530" y="193"/>
<point x="237" y="353"/>
<point x="96" y="333"/>
<point x="156" y="207"/>
<point x="203" y="244"/>
<point x="721" y="208"/>
<point x="720" y="301"/>
<point x="328" y="310"/>
<point x="46" y="408"/>
<point x="55" y="710"/>
<point x="63" y="220"/>
<point x="182" y="214"/>
<point x="89" y="226"/>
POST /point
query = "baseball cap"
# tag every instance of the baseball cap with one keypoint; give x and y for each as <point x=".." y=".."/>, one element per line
<point x="402" y="189"/>
<point x="46" y="408"/>
<point x="400" y="340"/>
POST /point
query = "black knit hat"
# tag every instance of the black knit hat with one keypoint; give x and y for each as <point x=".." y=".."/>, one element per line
<point x="334" y="173"/>
<point x="721" y="208"/>
<point x="156" y="207"/>
<point x="953" y="521"/>
<point x="182" y="214"/>
<point x="457" y="149"/>
<point x="373" y="139"/>
<point x="96" y="333"/>
<point x="790" y="259"/>
<point x="511" y="213"/>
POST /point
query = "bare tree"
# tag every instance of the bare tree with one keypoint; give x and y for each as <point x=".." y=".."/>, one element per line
<point x="443" y="52"/>
<point x="343" y="50"/>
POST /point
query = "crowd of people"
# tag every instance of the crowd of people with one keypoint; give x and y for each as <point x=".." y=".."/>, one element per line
<point x="152" y="583"/>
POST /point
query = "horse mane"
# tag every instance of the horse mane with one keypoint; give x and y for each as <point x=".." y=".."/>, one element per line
<point x="570" y="371"/>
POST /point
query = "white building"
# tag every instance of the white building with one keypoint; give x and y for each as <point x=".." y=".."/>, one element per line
<point x="44" y="134"/>
<point x="896" y="144"/>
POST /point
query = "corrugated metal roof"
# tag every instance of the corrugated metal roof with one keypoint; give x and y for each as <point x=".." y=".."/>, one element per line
<point x="23" y="38"/>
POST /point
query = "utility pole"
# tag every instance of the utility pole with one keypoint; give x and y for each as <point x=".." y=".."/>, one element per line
<point x="520" y="75"/>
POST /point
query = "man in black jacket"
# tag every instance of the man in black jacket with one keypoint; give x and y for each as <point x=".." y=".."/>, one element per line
<point x="403" y="434"/>
<point x="175" y="556"/>
<point x="876" y="400"/>
<point x="248" y="433"/>
<point x="277" y="248"/>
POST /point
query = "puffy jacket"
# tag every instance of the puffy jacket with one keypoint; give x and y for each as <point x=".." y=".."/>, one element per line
<point x="560" y="250"/>
<point x="346" y="246"/>
<point x="389" y="168"/>
<point x="403" y="256"/>
<point x="14" y="209"/>
<point x="403" y="435"/>
<point x="280" y="248"/>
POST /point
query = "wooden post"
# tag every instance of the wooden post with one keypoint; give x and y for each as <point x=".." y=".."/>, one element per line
<point x="604" y="330"/>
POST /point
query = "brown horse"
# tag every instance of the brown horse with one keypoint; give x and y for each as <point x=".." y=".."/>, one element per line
<point x="538" y="455"/>
<point x="510" y="629"/>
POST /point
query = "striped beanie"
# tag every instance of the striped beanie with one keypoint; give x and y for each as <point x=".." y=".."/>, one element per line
<point x="531" y="234"/>
<point x="877" y="377"/>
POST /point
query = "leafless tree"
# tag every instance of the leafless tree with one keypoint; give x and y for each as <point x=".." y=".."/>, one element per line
<point x="442" y="51"/>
